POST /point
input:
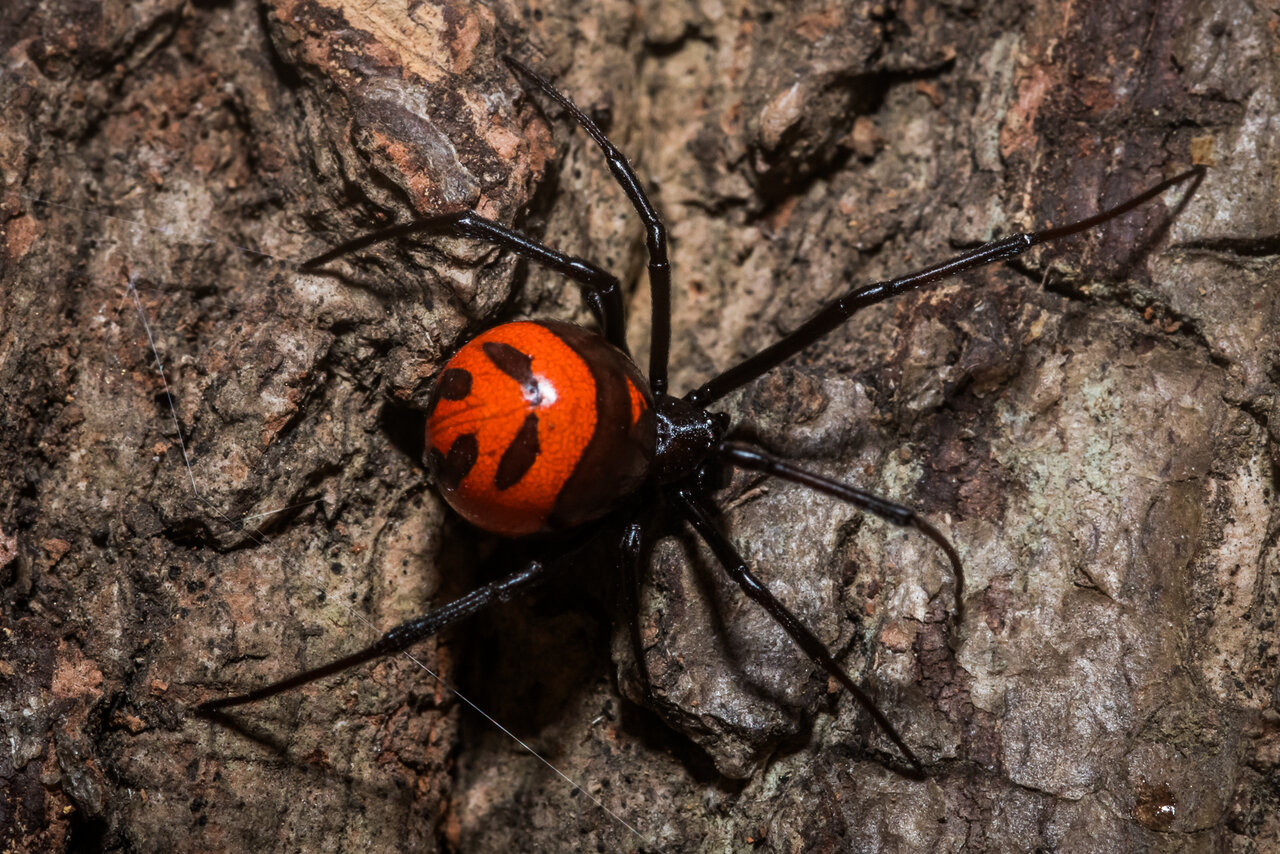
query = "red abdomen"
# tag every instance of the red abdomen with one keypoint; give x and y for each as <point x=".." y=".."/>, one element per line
<point x="539" y="427"/>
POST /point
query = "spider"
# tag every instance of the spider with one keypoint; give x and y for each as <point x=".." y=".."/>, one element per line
<point x="543" y="427"/>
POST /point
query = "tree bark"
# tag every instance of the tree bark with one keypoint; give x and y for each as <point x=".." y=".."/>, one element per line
<point x="1094" y="426"/>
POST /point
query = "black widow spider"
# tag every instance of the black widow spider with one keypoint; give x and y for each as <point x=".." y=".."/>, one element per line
<point x="494" y="448"/>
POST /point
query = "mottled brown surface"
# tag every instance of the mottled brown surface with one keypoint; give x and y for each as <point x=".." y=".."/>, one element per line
<point x="1095" y="427"/>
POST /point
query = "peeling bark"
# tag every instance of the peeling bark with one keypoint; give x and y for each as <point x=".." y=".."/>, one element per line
<point x="1095" y="427"/>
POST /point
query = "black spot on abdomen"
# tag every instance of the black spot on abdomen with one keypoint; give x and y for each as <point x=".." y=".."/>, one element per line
<point x="454" y="384"/>
<point x="454" y="466"/>
<point x="516" y="365"/>
<point x="519" y="456"/>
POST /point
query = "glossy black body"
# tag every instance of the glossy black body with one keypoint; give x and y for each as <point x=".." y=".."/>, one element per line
<point x="688" y="435"/>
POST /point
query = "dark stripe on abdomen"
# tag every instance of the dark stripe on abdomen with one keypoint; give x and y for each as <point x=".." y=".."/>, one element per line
<point x="613" y="463"/>
<point x="452" y="467"/>
<point x="519" y="456"/>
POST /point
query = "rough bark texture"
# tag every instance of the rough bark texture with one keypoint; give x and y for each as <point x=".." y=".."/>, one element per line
<point x="1094" y="427"/>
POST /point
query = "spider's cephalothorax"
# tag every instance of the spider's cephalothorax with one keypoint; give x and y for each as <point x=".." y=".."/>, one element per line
<point x="544" y="426"/>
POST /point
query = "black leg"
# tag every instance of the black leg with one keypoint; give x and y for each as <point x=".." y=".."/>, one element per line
<point x="632" y="551"/>
<point x="748" y="457"/>
<point x="398" y="639"/>
<point x="834" y="313"/>
<point x="728" y="556"/>
<point x="655" y="231"/>
<point x="599" y="288"/>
